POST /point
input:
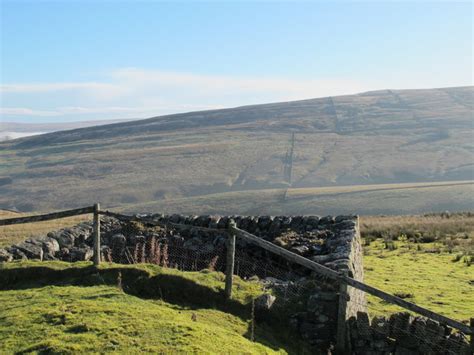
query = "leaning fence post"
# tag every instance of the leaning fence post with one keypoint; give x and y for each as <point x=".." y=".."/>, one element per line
<point x="96" y="234"/>
<point x="341" y="318"/>
<point x="229" y="271"/>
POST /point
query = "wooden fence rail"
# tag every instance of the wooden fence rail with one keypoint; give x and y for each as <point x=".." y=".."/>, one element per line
<point x="316" y="267"/>
<point x="334" y="275"/>
<point x="234" y="231"/>
<point x="95" y="210"/>
<point x="47" y="217"/>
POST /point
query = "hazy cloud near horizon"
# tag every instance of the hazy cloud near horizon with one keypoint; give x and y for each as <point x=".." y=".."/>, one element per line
<point x="132" y="92"/>
<point x="139" y="93"/>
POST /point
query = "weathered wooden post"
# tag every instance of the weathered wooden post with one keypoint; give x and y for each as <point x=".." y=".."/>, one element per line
<point x="229" y="271"/>
<point x="472" y="335"/>
<point x="341" y="336"/>
<point x="96" y="234"/>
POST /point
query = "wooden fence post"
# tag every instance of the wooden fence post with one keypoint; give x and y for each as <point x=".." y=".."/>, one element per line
<point x="229" y="271"/>
<point x="341" y="337"/>
<point x="334" y="275"/>
<point x="96" y="234"/>
<point x="472" y="335"/>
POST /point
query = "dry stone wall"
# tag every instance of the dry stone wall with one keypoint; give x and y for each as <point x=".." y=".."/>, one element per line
<point x="332" y="241"/>
<point x="403" y="334"/>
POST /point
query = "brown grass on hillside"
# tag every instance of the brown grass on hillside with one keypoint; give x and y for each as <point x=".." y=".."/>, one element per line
<point x="18" y="232"/>
<point x="454" y="230"/>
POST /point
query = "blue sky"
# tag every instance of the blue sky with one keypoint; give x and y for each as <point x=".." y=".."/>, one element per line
<point x="86" y="60"/>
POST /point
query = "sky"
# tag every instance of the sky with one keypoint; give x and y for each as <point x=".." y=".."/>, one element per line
<point x="67" y="61"/>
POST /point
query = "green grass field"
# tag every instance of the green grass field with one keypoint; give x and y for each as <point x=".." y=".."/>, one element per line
<point x="420" y="274"/>
<point x="423" y="259"/>
<point x="55" y="307"/>
<point x="426" y="259"/>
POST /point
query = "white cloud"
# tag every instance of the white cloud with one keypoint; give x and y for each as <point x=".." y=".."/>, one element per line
<point x="215" y="84"/>
<point x="23" y="111"/>
<point x="91" y="89"/>
<point x="120" y="111"/>
<point x="137" y="93"/>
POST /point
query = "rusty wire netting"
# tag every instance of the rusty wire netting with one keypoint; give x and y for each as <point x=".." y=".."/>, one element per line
<point x="292" y="292"/>
<point x="166" y="248"/>
<point x="285" y="287"/>
<point x="295" y="297"/>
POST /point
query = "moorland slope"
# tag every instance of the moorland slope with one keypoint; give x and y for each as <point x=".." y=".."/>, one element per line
<point x="192" y="162"/>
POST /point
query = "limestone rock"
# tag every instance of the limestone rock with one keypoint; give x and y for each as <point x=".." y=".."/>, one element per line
<point x="223" y="222"/>
<point x="118" y="244"/>
<point x="214" y="222"/>
<point x="380" y="327"/>
<point x="17" y="253"/>
<point x="66" y="238"/>
<point x="118" y="240"/>
<point x="83" y="253"/>
<point x="300" y="250"/>
<point x="264" y="222"/>
<point x="264" y="302"/>
<point x="5" y="256"/>
<point x="49" y="257"/>
<point x="31" y="250"/>
<point x="50" y="246"/>
<point x="63" y="254"/>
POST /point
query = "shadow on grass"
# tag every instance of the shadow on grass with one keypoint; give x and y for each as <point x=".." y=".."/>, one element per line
<point x="174" y="289"/>
<point x="170" y="288"/>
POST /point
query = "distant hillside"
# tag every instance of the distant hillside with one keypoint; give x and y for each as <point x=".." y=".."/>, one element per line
<point x="14" y="130"/>
<point x="380" y="137"/>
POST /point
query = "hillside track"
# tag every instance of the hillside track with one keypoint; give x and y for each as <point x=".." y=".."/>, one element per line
<point x="349" y="190"/>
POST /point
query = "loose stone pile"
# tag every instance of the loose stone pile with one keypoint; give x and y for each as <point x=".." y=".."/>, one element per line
<point x="67" y="244"/>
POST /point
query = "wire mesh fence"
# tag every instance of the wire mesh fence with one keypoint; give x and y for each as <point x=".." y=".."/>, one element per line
<point x="166" y="248"/>
<point x="284" y="287"/>
<point x="292" y="298"/>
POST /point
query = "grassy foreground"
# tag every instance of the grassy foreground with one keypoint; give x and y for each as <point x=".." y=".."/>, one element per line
<point x="438" y="281"/>
<point x="56" y="307"/>
<point x="424" y="259"/>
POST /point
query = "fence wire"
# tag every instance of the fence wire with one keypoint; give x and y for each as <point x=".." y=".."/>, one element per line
<point x="285" y="287"/>
<point x="289" y="293"/>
